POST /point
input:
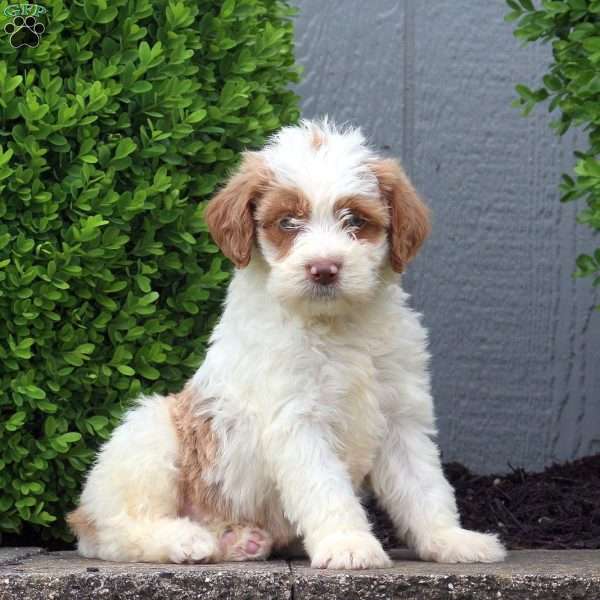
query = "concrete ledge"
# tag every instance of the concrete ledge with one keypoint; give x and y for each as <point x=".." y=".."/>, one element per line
<point x="557" y="575"/>
<point x="65" y="575"/>
<point x="9" y="556"/>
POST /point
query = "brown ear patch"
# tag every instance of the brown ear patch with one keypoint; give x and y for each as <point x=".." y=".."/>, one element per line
<point x="229" y="215"/>
<point x="409" y="217"/>
<point x="278" y="203"/>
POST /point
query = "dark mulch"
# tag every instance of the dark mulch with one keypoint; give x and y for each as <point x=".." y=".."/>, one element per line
<point x="558" y="508"/>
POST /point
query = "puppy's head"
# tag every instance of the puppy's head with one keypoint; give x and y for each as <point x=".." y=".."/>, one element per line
<point x="323" y="212"/>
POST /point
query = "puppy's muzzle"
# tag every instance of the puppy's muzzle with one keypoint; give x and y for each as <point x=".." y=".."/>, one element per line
<point x="324" y="272"/>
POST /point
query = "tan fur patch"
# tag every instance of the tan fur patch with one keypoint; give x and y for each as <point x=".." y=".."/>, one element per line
<point x="82" y="525"/>
<point x="275" y="204"/>
<point x="373" y="211"/>
<point x="229" y="215"/>
<point x="196" y="498"/>
<point x="409" y="224"/>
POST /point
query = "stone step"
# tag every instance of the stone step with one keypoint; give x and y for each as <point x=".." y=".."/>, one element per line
<point x="32" y="573"/>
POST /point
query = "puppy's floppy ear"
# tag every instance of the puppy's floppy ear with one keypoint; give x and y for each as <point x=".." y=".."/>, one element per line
<point x="409" y="217"/>
<point x="229" y="215"/>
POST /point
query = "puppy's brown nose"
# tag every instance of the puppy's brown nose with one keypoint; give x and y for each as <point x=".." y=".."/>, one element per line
<point x="324" y="271"/>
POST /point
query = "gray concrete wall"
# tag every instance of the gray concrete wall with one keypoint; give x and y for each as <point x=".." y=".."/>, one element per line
<point x="516" y="367"/>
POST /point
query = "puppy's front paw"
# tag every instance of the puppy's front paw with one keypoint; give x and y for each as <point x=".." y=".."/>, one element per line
<point x="350" y="550"/>
<point x="194" y="546"/>
<point x="456" y="545"/>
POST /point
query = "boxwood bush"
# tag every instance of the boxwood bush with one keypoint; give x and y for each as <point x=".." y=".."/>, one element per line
<point x="572" y="89"/>
<point x="112" y="131"/>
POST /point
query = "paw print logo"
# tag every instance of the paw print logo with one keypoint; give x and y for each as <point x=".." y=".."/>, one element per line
<point x="24" y="32"/>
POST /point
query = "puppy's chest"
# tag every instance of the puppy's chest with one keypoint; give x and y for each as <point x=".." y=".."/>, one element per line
<point x="350" y="399"/>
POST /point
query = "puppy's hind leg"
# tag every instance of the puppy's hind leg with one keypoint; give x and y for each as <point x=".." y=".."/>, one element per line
<point x="128" y="509"/>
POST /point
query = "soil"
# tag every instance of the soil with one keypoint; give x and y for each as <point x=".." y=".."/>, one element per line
<point x="558" y="508"/>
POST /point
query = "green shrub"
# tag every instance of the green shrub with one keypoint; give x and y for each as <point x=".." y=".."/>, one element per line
<point x="112" y="131"/>
<point x="572" y="86"/>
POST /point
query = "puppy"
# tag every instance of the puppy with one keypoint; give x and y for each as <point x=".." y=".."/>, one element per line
<point x="315" y="383"/>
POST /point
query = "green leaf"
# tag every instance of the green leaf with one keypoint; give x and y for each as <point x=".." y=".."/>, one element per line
<point x="5" y="156"/>
<point x="197" y="116"/>
<point x="47" y="407"/>
<point x="69" y="438"/>
<point x="97" y="422"/>
<point x="227" y="8"/>
<point x="527" y="4"/>
<point x="144" y="53"/>
<point x="147" y="371"/>
<point x="140" y="87"/>
<point x="143" y="283"/>
<point x="16" y="421"/>
<point x="124" y="148"/>
<point x="35" y="392"/>
<point x="85" y="348"/>
<point x="592" y="44"/>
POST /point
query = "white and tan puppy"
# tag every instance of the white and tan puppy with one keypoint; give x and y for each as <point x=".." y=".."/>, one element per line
<point x="315" y="383"/>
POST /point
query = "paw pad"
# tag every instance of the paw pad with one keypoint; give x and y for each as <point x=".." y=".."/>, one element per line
<point x="24" y="32"/>
<point x="245" y="543"/>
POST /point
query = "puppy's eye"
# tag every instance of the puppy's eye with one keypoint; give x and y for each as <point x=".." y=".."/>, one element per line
<point x="354" y="221"/>
<point x="289" y="224"/>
